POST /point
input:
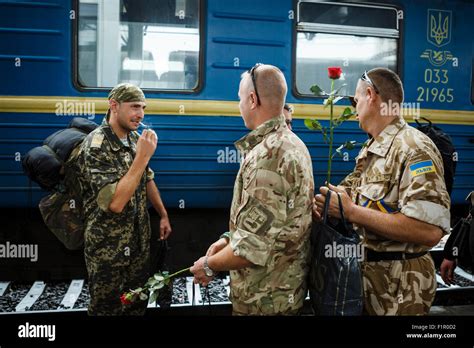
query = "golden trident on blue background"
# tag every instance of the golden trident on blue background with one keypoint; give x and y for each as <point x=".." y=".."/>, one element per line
<point x="439" y="31"/>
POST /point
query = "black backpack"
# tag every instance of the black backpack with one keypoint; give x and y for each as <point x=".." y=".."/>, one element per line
<point x="45" y="164"/>
<point x="51" y="167"/>
<point x="445" y="145"/>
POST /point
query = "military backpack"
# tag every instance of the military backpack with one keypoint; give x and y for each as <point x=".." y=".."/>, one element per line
<point x="51" y="166"/>
<point x="445" y="145"/>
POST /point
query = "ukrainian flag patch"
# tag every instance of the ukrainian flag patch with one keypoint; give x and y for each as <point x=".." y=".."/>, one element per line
<point x="423" y="167"/>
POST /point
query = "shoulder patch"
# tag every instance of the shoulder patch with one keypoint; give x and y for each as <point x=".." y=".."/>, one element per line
<point x="423" y="167"/>
<point x="97" y="140"/>
<point x="256" y="220"/>
<point x="255" y="217"/>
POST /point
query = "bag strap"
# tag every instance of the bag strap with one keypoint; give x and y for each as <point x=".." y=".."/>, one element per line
<point x="326" y="207"/>
<point x="425" y="119"/>
<point x="343" y="217"/>
<point x="346" y="225"/>
<point x="470" y="199"/>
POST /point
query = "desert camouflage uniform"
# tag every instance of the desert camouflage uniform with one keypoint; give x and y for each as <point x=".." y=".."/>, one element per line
<point x="117" y="245"/>
<point x="270" y="221"/>
<point x="400" y="170"/>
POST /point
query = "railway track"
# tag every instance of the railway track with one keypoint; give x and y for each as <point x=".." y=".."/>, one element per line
<point x="41" y="297"/>
<point x="57" y="297"/>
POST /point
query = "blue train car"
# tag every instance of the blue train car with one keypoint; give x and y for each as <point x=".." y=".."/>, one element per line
<point x="59" y="59"/>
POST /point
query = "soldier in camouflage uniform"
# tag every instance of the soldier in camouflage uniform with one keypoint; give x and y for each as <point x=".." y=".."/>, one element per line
<point x="397" y="200"/>
<point x="116" y="181"/>
<point x="270" y="217"/>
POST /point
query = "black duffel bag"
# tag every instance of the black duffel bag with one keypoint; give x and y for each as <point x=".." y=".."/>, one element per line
<point x="335" y="282"/>
<point x="45" y="164"/>
<point x="64" y="141"/>
<point x="42" y="165"/>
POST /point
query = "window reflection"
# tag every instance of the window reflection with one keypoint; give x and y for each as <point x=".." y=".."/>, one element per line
<point x="354" y="36"/>
<point x="317" y="51"/>
<point x="153" y="43"/>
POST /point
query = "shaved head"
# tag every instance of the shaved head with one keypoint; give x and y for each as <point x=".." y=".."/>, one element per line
<point x="271" y="86"/>
<point x="262" y="94"/>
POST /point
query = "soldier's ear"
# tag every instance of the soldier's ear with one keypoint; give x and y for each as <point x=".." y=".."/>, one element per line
<point x="370" y="94"/>
<point x="253" y="100"/>
<point x="113" y="105"/>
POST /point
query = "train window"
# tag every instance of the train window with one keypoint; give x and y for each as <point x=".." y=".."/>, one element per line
<point x="340" y="34"/>
<point x="154" y="44"/>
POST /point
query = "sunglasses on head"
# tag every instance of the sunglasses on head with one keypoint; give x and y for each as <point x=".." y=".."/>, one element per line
<point x="252" y="73"/>
<point x="365" y="77"/>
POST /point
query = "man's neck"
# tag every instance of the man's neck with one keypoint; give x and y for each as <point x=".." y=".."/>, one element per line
<point x="119" y="131"/>
<point x="380" y="126"/>
<point x="264" y="117"/>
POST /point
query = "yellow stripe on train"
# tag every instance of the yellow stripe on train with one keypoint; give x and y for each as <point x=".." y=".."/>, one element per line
<point x="190" y="107"/>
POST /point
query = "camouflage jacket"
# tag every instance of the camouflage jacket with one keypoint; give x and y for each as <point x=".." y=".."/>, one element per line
<point x="270" y="221"/>
<point x="400" y="170"/>
<point x="112" y="238"/>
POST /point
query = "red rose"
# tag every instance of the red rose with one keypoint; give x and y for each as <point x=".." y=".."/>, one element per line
<point x="334" y="72"/>
<point x="125" y="300"/>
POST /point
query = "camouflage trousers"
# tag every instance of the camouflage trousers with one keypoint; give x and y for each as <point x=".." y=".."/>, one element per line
<point x="262" y="309"/>
<point x="405" y="287"/>
<point x="108" y="282"/>
<point x="293" y="312"/>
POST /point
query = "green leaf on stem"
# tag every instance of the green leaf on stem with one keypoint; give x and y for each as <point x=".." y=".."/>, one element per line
<point x="346" y="114"/>
<point x="313" y="124"/>
<point x="153" y="296"/>
<point x="317" y="91"/>
<point x="151" y="281"/>
<point x="159" y="277"/>
<point x="158" y="286"/>
<point x="348" y="145"/>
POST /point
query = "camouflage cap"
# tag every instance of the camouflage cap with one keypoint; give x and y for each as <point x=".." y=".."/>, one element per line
<point x="126" y="92"/>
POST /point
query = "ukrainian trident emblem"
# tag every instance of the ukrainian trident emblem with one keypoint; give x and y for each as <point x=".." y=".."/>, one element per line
<point x="439" y="35"/>
<point x="439" y="30"/>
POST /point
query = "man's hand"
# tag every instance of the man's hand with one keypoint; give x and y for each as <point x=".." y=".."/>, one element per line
<point x="216" y="246"/>
<point x="447" y="271"/>
<point x="347" y="203"/>
<point x="199" y="275"/>
<point x="146" y="144"/>
<point x="165" y="228"/>
<point x="316" y="214"/>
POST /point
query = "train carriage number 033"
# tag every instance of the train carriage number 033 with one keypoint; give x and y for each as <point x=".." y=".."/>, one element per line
<point x="435" y="94"/>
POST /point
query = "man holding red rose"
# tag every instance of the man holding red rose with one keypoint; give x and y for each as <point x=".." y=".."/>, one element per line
<point x="396" y="199"/>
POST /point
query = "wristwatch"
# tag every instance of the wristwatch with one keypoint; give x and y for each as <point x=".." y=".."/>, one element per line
<point x="209" y="272"/>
